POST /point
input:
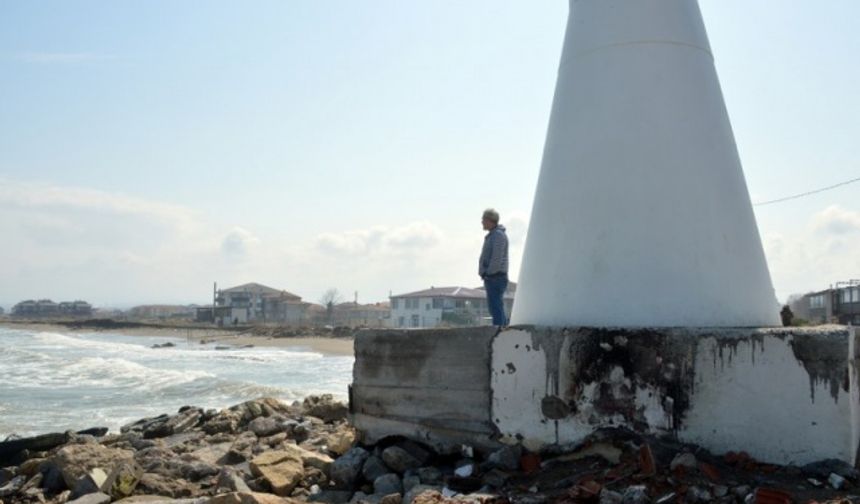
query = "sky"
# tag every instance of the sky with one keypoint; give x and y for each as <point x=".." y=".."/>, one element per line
<point x="148" y="149"/>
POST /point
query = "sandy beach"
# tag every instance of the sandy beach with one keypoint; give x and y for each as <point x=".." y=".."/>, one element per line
<point x="324" y="345"/>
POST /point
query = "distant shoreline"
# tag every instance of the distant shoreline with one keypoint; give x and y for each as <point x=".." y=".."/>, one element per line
<point x="330" y="345"/>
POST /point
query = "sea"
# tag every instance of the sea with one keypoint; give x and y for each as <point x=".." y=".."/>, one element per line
<point x="56" y="381"/>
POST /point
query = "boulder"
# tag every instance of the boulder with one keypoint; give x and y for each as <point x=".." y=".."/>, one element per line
<point x="331" y="497"/>
<point x="265" y="426"/>
<point x="249" y="498"/>
<point x="388" y="484"/>
<point x="506" y="458"/>
<point x="267" y="406"/>
<point x="94" y="481"/>
<point x="92" y="498"/>
<point x="430" y="475"/>
<point x="11" y="448"/>
<point x="341" y="440"/>
<point x="281" y="469"/>
<point x="346" y="469"/>
<point x="325" y="408"/>
<point x="225" y="421"/>
<point x="158" y="484"/>
<point x="423" y="494"/>
<point x="124" y="478"/>
<point x="230" y="479"/>
<point x="373" y="468"/>
<point x="310" y="458"/>
<point x="400" y="460"/>
<point x="75" y="461"/>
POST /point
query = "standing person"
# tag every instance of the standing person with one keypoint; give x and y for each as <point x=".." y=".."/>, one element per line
<point x="493" y="266"/>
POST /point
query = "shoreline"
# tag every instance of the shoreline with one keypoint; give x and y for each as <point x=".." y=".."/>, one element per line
<point x="334" y="346"/>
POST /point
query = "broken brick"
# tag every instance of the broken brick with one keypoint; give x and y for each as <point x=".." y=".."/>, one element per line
<point x="771" y="496"/>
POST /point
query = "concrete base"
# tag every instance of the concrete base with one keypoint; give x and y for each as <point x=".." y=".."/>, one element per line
<point x="788" y="396"/>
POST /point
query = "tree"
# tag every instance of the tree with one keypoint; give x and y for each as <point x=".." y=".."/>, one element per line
<point x="329" y="299"/>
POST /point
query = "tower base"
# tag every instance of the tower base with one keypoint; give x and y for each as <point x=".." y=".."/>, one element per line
<point x="786" y="396"/>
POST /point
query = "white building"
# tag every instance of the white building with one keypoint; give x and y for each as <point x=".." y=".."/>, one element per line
<point x="449" y="306"/>
<point x="257" y="303"/>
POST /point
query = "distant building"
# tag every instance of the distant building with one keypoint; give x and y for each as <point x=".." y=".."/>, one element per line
<point x="2" y="311"/>
<point x="353" y="314"/>
<point x="256" y="303"/>
<point x="162" y="312"/>
<point x="840" y="304"/>
<point x="46" y="308"/>
<point x="444" y="306"/>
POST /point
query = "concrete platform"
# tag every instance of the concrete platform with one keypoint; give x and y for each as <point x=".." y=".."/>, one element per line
<point x="783" y="395"/>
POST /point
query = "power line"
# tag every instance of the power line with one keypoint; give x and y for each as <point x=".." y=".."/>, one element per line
<point x="808" y="193"/>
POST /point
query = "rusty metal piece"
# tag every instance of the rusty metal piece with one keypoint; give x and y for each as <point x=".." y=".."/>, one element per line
<point x="647" y="465"/>
<point x="765" y="495"/>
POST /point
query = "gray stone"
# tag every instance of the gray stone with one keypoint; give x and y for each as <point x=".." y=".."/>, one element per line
<point x="388" y="484"/>
<point x="430" y="476"/>
<point x="400" y="460"/>
<point x="609" y="497"/>
<point x="92" y="498"/>
<point x="507" y="458"/>
<point x="228" y="478"/>
<point x="13" y="486"/>
<point x="94" y="481"/>
<point x="346" y="469"/>
<point x="373" y="468"/>
<point x="410" y="482"/>
<point x="265" y="426"/>
<point x="637" y="494"/>
<point x="697" y="494"/>
<point x="686" y="460"/>
<point x="418" y="490"/>
<point x="331" y="497"/>
<point x="325" y="408"/>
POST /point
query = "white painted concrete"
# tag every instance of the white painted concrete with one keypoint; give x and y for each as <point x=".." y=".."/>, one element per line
<point x="761" y="396"/>
<point x="641" y="215"/>
<point x="750" y="391"/>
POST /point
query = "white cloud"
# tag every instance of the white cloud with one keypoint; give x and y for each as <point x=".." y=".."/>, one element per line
<point x="238" y="244"/>
<point x="380" y="241"/>
<point x="815" y="253"/>
<point x="837" y="221"/>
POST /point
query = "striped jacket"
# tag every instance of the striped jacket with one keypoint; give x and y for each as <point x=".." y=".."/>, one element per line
<point x="494" y="255"/>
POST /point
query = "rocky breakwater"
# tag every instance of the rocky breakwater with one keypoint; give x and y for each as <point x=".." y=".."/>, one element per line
<point x="268" y="452"/>
<point x="261" y="451"/>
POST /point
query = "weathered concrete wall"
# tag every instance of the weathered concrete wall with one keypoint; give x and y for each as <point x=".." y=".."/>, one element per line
<point x="783" y="395"/>
<point x="429" y="385"/>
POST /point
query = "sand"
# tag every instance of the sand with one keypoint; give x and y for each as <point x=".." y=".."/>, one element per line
<point x="328" y="346"/>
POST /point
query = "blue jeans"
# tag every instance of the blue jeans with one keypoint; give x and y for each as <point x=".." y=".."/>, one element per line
<point x="496" y="286"/>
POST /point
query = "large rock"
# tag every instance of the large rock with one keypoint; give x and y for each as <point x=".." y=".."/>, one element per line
<point x="400" y="460"/>
<point x="331" y="497"/>
<point x="346" y="469"/>
<point x="341" y="440"/>
<point x="310" y="458"/>
<point x="281" y="469"/>
<point x="10" y="449"/>
<point x="325" y="408"/>
<point x="373" y="468"/>
<point x="265" y="426"/>
<point x="75" y="461"/>
<point x="388" y="484"/>
<point x="267" y="406"/>
<point x="157" y="484"/>
<point x="92" y="498"/>
<point x="124" y="478"/>
<point x="176" y="424"/>
<point x="250" y="498"/>
<point x="423" y="494"/>
<point x="230" y="479"/>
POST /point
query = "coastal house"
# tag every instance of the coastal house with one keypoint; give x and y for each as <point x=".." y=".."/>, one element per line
<point x="354" y="314"/>
<point x="253" y="303"/>
<point x="839" y="304"/>
<point x="444" y="306"/>
<point x="43" y="308"/>
<point x="161" y="312"/>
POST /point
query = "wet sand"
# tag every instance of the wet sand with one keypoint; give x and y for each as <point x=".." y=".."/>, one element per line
<point x="324" y="345"/>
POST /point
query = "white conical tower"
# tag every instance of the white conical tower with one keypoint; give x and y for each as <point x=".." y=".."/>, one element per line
<point x="641" y="216"/>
